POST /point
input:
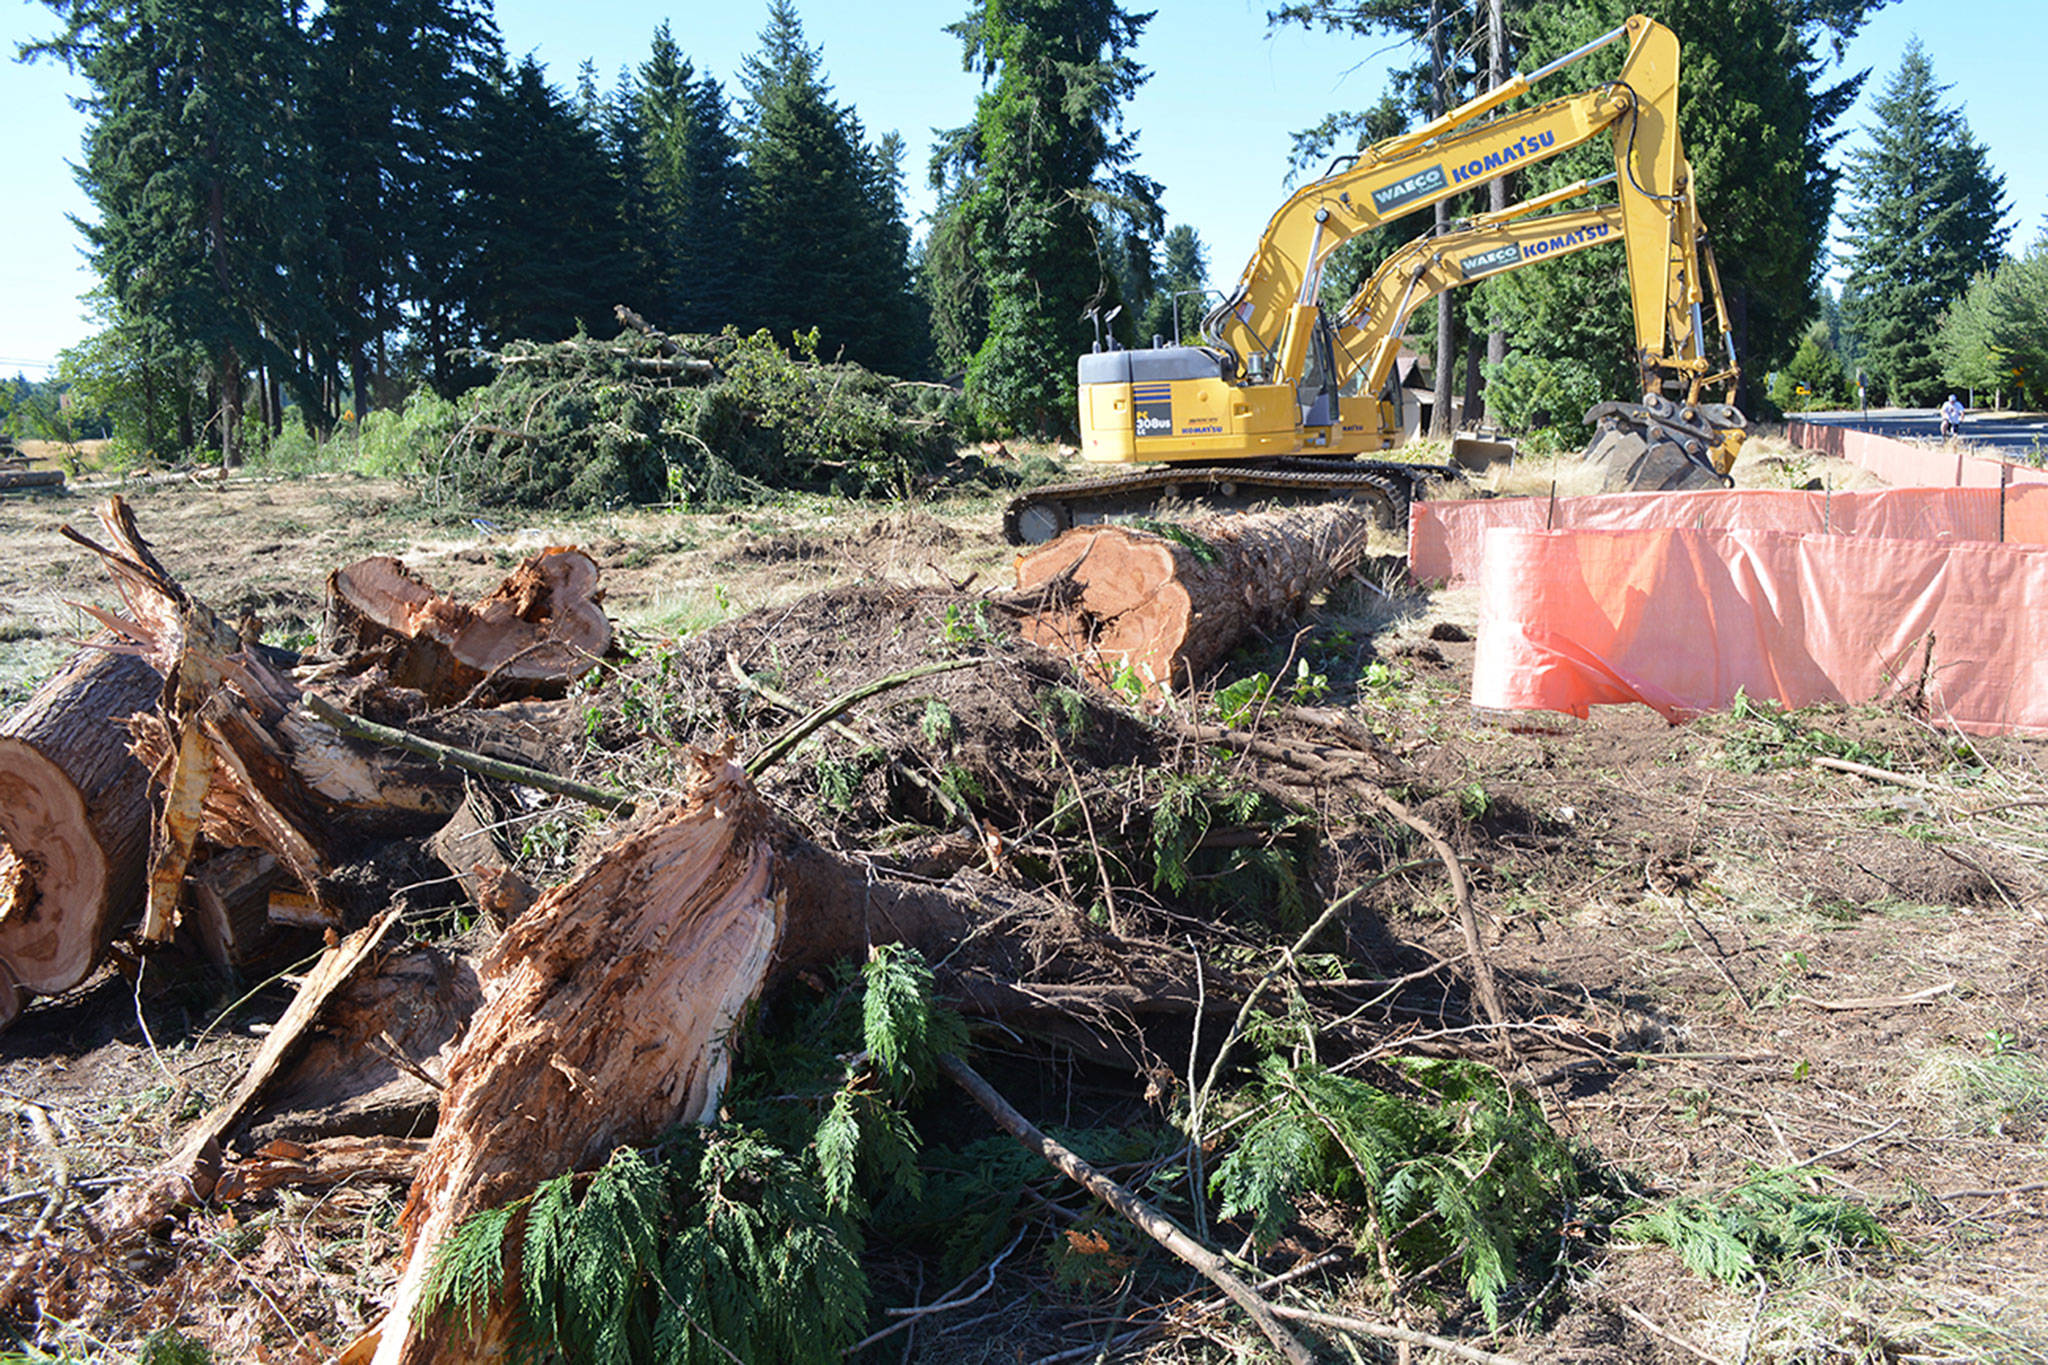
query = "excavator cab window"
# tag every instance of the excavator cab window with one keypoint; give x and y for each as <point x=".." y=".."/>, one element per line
<point x="1318" y="391"/>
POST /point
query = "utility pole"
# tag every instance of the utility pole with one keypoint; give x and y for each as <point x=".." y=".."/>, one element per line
<point x="1497" y="192"/>
<point x="1446" y="316"/>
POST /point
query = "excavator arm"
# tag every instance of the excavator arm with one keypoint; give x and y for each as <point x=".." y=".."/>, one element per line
<point x="1267" y="321"/>
<point x="1284" y="397"/>
<point x="1272" y="382"/>
<point x="1368" y="331"/>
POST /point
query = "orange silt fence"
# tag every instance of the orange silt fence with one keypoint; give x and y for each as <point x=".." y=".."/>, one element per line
<point x="1682" y="619"/>
<point x="1447" y="540"/>
<point x="1907" y="463"/>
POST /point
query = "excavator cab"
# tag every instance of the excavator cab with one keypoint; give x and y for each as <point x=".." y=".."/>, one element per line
<point x="1177" y="403"/>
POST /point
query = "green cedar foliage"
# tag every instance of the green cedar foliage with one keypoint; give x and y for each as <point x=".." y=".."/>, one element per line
<point x="735" y="1240"/>
<point x="1024" y="192"/>
<point x="1929" y="215"/>
<point x="716" y="1245"/>
<point x="1753" y="1232"/>
<point x="1464" y="1169"/>
<point x="824" y="227"/>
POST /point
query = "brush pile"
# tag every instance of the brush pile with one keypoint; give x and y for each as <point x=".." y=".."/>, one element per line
<point x="646" y="418"/>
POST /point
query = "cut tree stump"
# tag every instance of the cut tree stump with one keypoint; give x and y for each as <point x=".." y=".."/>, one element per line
<point x="605" y="1016"/>
<point x="74" y="822"/>
<point x="541" y="629"/>
<point x="1165" y="607"/>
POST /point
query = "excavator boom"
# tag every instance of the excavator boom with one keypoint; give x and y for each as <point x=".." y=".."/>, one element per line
<point x="1280" y="378"/>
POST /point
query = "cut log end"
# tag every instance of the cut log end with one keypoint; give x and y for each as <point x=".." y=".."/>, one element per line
<point x="74" y="820"/>
<point x="53" y="875"/>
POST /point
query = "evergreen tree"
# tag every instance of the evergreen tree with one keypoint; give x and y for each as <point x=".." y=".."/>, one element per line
<point x="1813" y="380"/>
<point x="1177" y="288"/>
<point x="552" y="256"/>
<point x="198" y="161"/>
<point x="1929" y="215"/>
<point x="827" y="245"/>
<point x="395" y="86"/>
<point x="1023" y="185"/>
<point x="697" y="187"/>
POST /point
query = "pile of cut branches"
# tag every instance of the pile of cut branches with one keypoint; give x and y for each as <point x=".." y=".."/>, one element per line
<point x="645" y="417"/>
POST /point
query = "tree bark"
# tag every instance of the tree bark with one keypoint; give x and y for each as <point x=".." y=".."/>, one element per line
<point x="1167" y="609"/>
<point x="74" y="821"/>
<point x="541" y="628"/>
<point x="606" y="1010"/>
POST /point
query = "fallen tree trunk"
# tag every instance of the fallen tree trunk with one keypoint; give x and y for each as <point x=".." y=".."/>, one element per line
<point x="1165" y="607"/>
<point x="605" y="1015"/>
<point x="12" y="479"/>
<point x="74" y="821"/>
<point x="328" y="1161"/>
<point x="540" y="629"/>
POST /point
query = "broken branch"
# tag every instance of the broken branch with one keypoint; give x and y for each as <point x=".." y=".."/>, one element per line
<point x="1141" y="1215"/>
<point x="355" y="727"/>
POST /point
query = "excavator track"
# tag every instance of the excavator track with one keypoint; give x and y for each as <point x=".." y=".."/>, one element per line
<point x="1383" y="488"/>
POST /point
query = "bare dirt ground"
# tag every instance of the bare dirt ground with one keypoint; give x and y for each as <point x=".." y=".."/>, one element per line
<point x="1725" y="956"/>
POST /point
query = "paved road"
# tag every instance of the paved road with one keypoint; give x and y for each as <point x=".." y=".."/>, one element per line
<point x="2006" y="433"/>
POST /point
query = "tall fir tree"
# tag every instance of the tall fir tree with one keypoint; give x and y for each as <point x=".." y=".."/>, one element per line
<point x="1025" y="188"/>
<point x="552" y="255"/>
<point x="396" y="85"/>
<point x="1175" y="307"/>
<point x="824" y="226"/>
<point x="198" y="162"/>
<point x="697" y="191"/>
<point x="1929" y="215"/>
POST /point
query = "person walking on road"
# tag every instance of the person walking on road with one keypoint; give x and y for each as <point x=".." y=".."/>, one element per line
<point x="1951" y="418"/>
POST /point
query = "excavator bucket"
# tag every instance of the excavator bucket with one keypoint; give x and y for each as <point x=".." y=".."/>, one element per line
<point x="1659" y="446"/>
<point x="1477" y="454"/>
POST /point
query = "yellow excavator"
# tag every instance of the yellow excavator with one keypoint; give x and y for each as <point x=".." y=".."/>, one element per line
<point x="1283" y="397"/>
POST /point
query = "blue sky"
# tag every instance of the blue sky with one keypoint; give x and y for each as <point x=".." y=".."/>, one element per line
<point x="1213" y="122"/>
